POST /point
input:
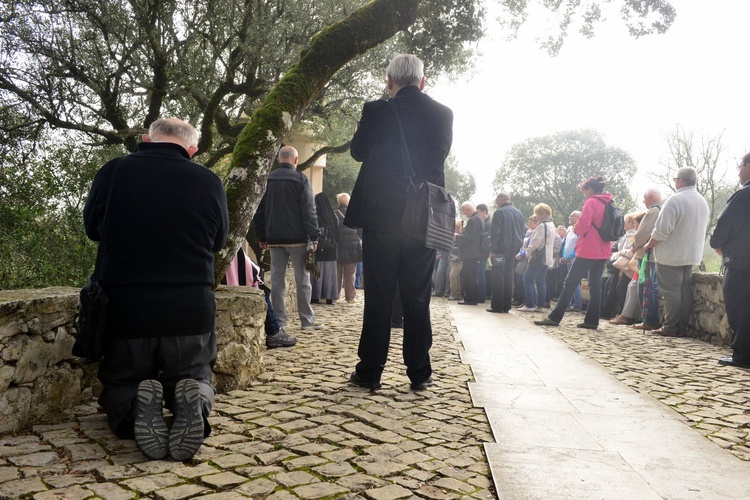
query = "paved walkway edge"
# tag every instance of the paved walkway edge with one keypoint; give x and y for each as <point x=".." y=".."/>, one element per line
<point x="564" y="427"/>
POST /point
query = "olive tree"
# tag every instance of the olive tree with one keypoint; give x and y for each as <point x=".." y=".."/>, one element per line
<point x="550" y="169"/>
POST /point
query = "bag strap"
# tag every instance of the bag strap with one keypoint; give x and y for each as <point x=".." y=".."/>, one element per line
<point x="405" y="156"/>
<point x="106" y="219"/>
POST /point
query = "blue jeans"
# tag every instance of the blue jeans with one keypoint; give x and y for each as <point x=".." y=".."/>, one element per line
<point x="577" y="300"/>
<point x="593" y="268"/>
<point x="442" y="279"/>
<point x="651" y="316"/>
<point x="535" y="275"/>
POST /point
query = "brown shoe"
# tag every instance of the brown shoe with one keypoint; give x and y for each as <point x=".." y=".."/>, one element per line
<point x="645" y="326"/>
<point x="622" y="320"/>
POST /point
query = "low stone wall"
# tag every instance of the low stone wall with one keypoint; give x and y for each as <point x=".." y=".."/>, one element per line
<point x="39" y="376"/>
<point x="708" y="319"/>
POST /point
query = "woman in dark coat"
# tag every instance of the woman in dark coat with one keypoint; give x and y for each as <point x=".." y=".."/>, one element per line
<point x="349" y="251"/>
<point x="326" y="285"/>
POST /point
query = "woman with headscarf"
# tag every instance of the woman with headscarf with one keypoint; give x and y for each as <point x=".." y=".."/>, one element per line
<point x="325" y="286"/>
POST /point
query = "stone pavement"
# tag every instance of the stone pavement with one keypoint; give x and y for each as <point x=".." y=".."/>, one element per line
<point x="682" y="373"/>
<point x="565" y="427"/>
<point x="300" y="431"/>
<point x="516" y="411"/>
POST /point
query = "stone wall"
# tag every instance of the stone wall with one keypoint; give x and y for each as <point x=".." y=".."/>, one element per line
<point x="708" y="319"/>
<point x="39" y="376"/>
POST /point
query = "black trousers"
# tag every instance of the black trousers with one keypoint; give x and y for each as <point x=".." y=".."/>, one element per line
<point x="503" y="274"/>
<point x="736" y="292"/>
<point x="469" y="277"/>
<point x="167" y="359"/>
<point x="391" y="260"/>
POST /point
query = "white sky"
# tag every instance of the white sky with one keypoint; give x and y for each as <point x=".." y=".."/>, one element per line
<point x="631" y="90"/>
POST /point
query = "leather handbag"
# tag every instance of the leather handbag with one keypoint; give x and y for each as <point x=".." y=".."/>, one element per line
<point x="430" y="212"/>
<point x="538" y="258"/>
<point x="93" y="301"/>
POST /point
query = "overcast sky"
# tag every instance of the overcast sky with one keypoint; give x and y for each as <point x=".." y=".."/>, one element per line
<point x="631" y="90"/>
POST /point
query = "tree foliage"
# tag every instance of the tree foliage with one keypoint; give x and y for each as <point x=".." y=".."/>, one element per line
<point x="110" y="68"/>
<point x="459" y="183"/>
<point x="642" y="17"/>
<point x="706" y="155"/>
<point x="550" y="169"/>
<point x="42" y="240"/>
<point x="243" y="72"/>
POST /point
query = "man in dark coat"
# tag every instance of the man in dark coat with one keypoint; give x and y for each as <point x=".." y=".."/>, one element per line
<point x="167" y="216"/>
<point x="286" y="222"/>
<point x="731" y="239"/>
<point x="506" y="238"/>
<point x="377" y="206"/>
<point x="469" y="249"/>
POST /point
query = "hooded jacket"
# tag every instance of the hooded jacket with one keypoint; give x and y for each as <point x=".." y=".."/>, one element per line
<point x="590" y="245"/>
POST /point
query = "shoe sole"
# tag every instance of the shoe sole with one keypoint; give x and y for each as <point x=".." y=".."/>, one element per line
<point x="280" y="344"/>
<point x="186" y="436"/>
<point x="150" y="429"/>
<point x="307" y="328"/>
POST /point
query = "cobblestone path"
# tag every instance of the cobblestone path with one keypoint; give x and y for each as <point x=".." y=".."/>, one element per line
<point x="300" y="431"/>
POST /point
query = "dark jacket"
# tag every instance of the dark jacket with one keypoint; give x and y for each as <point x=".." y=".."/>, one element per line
<point x="379" y="195"/>
<point x="350" y="241"/>
<point x="167" y="217"/>
<point x="327" y="250"/>
<point x="286" y="214"/>
<point x="508" y="230"/>
<point x="732" y="232"/>
<point x="470" y="240"/>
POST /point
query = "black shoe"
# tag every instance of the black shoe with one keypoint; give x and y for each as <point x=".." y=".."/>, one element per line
<point x="730" y="361"/>
<point x="491" y="310"/>
<point x="587" y="326"/>
<point x="546" y="322"/>
<point x="464" y="303"/>
<point x="422" y="385"/>
<point x="186" y="435"/>
<point x="367" y="384"/>
<point x="150" y="429"/>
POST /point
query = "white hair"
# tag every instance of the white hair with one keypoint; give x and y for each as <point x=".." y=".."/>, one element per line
<point x="406" y="69"/>
<point x="173" y="127"/>
<point x="655" y="193"/>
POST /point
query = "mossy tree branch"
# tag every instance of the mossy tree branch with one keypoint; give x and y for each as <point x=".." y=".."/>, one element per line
<point x="259" y="141"/>
<point x="341" y="148"/>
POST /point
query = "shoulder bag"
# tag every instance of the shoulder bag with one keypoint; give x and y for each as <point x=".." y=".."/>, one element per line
<point x="538" y="258"/>
<point x="92" y="308"/>
<point x="430" y="213"/>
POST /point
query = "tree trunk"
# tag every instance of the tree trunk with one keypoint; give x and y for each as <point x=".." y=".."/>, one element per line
<point x="260" y="140"/>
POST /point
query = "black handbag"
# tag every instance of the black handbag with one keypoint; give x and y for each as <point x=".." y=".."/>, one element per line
<point x="430" y="212"/>
<point x="92" y="306"/>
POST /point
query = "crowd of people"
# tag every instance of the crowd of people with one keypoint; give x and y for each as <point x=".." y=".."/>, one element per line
<point x="157" y="249"/>
<point x="532" y="264"/>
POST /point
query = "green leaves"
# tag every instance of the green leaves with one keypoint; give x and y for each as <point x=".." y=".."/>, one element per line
<point x="550" y="169"/>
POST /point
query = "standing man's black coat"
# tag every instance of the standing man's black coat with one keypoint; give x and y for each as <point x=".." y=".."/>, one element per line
<point x="732" y="238"/>
<point x="379" y="195"/>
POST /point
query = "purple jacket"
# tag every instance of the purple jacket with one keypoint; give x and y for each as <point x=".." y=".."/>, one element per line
<point x="589" y="244"/>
